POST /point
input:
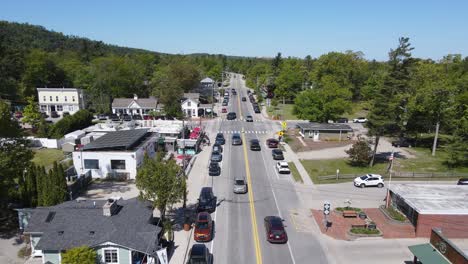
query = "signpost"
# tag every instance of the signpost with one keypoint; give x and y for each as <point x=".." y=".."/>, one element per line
<point x="326" y="213"/>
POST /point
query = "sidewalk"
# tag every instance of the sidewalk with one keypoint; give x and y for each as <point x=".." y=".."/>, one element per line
<point x="291" y="156"/>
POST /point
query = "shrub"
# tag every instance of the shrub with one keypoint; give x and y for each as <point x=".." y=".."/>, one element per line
<point x="79" y="120"/>
<point x="365" y="231"/>
<point x="360" y="153"/>
<point x="341" y="209"/>
<point x="395" y="214"/>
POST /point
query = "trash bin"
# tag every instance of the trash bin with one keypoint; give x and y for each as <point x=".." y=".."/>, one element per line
<point x="362" y="215"/>
<point x="371" y="226"/>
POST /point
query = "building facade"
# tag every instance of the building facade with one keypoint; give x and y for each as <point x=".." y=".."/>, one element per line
<point x="60" y="100"/>
<point x="135" y="106"/>
<point x="325" y="131"/>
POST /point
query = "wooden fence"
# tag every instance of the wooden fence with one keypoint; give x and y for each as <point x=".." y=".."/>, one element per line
<point x="400" y="175"/>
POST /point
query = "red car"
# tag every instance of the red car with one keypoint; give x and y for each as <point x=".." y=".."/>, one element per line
<point x="18" y="115"/>
<point x="272" y="143"/>
<point x="203" y="227"/>
<point x="275" y="230"/>
<point x="224" y="110"/>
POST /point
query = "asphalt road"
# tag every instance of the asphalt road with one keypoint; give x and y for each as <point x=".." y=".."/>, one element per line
<point x="239" y="232"/>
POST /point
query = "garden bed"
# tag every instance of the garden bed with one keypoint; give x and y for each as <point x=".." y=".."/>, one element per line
<point x="394" y="216"/>
<point x="364" y="232"/>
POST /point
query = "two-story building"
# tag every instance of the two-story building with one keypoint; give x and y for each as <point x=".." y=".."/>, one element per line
<point x="191" y="106"/>
<point x="60" y="100"/>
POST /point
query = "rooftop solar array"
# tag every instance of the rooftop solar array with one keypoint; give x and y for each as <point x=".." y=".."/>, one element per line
<point x="118" y="140"/>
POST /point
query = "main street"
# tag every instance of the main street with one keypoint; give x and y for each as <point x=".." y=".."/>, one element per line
<point x="240" y="235"/>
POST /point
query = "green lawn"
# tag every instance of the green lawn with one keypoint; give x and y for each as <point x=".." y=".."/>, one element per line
<point x="424" y="161"/>
<point x="46" y="157"/>
<point x="294" y="172"/>
<point x="285" y="110"/>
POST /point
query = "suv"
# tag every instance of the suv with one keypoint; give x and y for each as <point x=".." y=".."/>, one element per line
<point x="240" y="185"/>
<point x="214" y="169"/>
<point x="282" y="167"/>
<point x="231" y="116"/>
<point x="199" y="254"/>
<point x="255" y="145"/>
<point x="462" y="181"/>
<point x="220" y="139"/>
<point x="236" y="139"/>
<point x="369" y="180"/>
<point x="277" y="154"/>
<point x="360" y="120"/>
<point x="207" y="200"/>
<point x="203" y="228"/>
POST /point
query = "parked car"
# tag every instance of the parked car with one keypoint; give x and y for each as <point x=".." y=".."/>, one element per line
<point x="224" y="110"/>
<point x="102" y="117"/>
<point x="216" y="156"/>
<point x="137" y="117"/>
<point x="236" y="139"/>
<point x="255" y="145"/>
<point x="277" y="154"/>
<point x="244" y="99"/>
<point x="240" y="185"/>
<point x="200" y="254"/>
<point x="272" y="143"/>
<point x="369" y="180"/>
<point x="44" y="115"/>
<point x="54" y="114"/>
<point x="126" y="117"/>
<point x="218" y="148"/>
<point x="463" y="181"/>
<point x="214" y="169"/>
<point x="203" y="227"/>
<point x="274" y="229"/>
<point x="207" y="200"/>
<point x="231" y="116"/>
<point x="282" y="167"/>
<point x="18" y="115"/>
<point x="148" y="117"/>
<point x="220" y="139"/>
<point x="249" y="118"/>
<point x="225" y="103"/>
<point x="342" y="120"/>
<point x="360" y="120"/>
<point x="403" y="142"/>
<point x="257" y="110"/>
<point x="114" y="117"/>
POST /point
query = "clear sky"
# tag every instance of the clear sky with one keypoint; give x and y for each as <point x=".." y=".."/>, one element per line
<point x="257" y="28"/>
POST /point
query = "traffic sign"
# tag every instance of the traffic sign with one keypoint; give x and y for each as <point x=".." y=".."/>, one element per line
<point x="326" y="212"/>
<point x="326" y="208"/>
<point x="284" y="125"/>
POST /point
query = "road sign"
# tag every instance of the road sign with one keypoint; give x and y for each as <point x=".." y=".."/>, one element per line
<point x="284" y="125"/>
<point x="326" y="208"/>
<point x="326" y="212"/>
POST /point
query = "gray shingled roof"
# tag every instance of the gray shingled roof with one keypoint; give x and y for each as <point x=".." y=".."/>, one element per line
<point x="325" y="126"/>
<point x="132" y="227"/>
<point x="121" y="140"/>
<point x="142" y="102"/>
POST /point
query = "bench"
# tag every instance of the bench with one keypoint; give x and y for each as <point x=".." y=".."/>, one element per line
<point x="349" y="213"/>
<point x="359" y="226"/>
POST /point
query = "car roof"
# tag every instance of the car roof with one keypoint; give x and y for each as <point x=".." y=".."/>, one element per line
<point x="198" y="249"/>
<point x="254" y="140"/>
<point x="203" y="216"/>
<point x="283" y="163"/>
<point x="277" y="150"/>
<point x="275" y="221"/>
<point x="374" y="175"/>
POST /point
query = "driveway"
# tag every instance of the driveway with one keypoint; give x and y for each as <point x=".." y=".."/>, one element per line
<point x="9" y="249"/>
<point x="106" y="189"/>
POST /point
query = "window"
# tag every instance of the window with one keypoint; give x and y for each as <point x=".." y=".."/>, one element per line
<point x="91" y="164"/>
<point x="50" y="98"/>
<point x="110" y="256"/>
<point x="118" y="164"/>
<point x="43" y="108"/>
<point x="65" y="98"/>
<point x="45" y="98"/>
<point x="56" y="98"/>
<point x="189" y="103"/>
<point x="59" y="107"/>
<point x="73" y="98"/>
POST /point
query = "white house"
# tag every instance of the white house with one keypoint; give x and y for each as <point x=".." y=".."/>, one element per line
<point x="135" y="105"/>
<point x="190" y="103"/>
<point x="60" y="100"/>
<point x="115" y="154"/>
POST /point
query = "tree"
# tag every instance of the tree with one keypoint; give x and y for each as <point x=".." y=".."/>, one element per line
<point x="31" y="114"/>
<point x="289" y="81"/>
<point x="28" y="186"/>
<point x="160" y="181"/>
<point x="9" y="127"/>
<point x="79" y="255"/>
<point x="360" y="153"/>
<point x="276" y="64"/>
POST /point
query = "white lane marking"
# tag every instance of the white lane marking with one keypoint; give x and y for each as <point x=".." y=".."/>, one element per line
<point x="276" y="203"/>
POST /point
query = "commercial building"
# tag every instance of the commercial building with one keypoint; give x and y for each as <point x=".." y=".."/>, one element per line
<point x="325" y="131"/>
<point x="429" y="206"/>
<point x="116" y="154"/>
<point x="136" y="106"/>
<point x="60" y="100"/>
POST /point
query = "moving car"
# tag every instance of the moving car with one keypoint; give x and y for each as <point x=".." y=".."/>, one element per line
<point x="369" y="180"/>
<point x="199" y="254"/>
<point x="255" y="145"/>
<point x="272" y="143"/>
<point x="360" y="120"/>
<point x="203" y="227"/>
<point x="282" y="167"/>
<point x="277" y="154"/>
<point x="214" y="169"/>
<point x="220" y="139"/>
<point x="206" y="200"/>
<point x="274" y="229"/>
<point x="216" y="156"/>
<point x="224" y="110"/>
<point x="231" y="116"/>
<point x="463" y="181"/>
<point x="218" y="148"/>
<point x="249" y="118"/>
<point x="403" y="142"/>
<point x="225" y="103"/>
<point x="244" y="99"/>
<point x="236" y="139"/>
<point x="257" y="110"/>
<point x="240" y="185"/>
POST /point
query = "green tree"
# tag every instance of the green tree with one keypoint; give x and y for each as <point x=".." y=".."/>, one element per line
<point x="8" y="127"/>
<point x="160" y="182"/>
<point x="79" y="255"/>
<point x="289" y="81"/>
<point x="27" y="186"/>
<point x="31" y="114"/>
<point x="360" y="153"/>
<point x="276" y="64"/>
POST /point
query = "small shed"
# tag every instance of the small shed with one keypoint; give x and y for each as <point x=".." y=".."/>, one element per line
<point x="68" y="147"/>
<point x="324" y="131"/>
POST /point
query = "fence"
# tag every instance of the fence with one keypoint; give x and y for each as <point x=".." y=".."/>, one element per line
<point x="80" y="185"/>
<point x="400" y="175"/>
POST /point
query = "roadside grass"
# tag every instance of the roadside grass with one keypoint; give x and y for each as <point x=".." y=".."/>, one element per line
<point x="294" y="172"/>
<point x="284" y="110"/>
<point x="46" y="157"/>
<point x="422" y="162"/>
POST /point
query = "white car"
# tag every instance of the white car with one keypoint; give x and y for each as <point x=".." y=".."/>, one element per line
<point x="360" y="120"/>
<point x="369" y="180"/>
<point x="282" y="167"/>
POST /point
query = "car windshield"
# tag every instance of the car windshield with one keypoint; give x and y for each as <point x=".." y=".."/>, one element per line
<point x="219" y="136"/>
<point x="202" y="225"/>
<point x="363" y="177"/>
<point x="197" y="260"/>
<point x="277" y="151"/>
<point x="214" y="165"/>
<point x="284" y="166"/>
<point x="240" y="182"/>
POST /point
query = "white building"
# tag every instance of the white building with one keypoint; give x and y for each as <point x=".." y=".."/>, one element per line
<point x="190" y="103"/>
<point x="115" y="154"/>
<point x="60" y="100"/>
<point x="135" y="105"/>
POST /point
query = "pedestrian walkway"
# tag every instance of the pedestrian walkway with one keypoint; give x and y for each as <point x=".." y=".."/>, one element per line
<point x="339" y="225"/>
<point x="291" y="156"/>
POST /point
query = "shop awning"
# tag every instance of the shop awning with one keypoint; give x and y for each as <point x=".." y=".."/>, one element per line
<point x="427" y="254"/>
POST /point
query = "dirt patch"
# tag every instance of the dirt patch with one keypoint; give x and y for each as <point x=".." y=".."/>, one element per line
<point x="297" y="145"/>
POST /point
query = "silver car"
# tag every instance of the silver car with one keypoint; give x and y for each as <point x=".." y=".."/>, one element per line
<point x="236" y="139"/>
<point x="240" y="185"/>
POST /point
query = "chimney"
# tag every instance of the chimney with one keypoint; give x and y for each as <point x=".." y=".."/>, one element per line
<point x="109" y="207"/>
<point x="135" y="97"/>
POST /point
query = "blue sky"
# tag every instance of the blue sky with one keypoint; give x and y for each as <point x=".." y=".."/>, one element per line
<point x="257" y="28"/>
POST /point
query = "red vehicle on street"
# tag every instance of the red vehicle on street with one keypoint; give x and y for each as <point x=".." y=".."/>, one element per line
<point x="224" y="110"/>
<point x="272" y="143"/>
<point x="203" y="227"/>
<point x="275" y="231"/>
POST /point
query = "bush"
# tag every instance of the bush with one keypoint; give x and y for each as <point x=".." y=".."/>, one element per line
<point x="360" y="153"/>
<point x="341" y="209"/>
<point x="79" y="120"/>
<point x="365" y="231"/>
<point x="395" y="214"/>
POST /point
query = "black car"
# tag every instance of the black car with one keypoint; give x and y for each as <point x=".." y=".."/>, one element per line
<point x="255" y="145"/>
<point x="463" y="181"/>
<point x="277" y="154"/>
<point x="214" y="169"/>
<point x="200" y="254"/>
<point x="137" y="117"/>
<point x="218" y="148"/>
<point x="257" y="110"/>
<point x="231" y="116"/>
<point x="342" y="120"/>
<point x="126" y="117"/>
<point x="216" y="156"/>
<point x="207" y="200"/>
<point x="403" y="142"/>
<point x="102" y="117"/>
<point x="220" y="139"/>
<point x="114" y="117"/>
<point x="54" y="114"/>
<point x="244" y="99"/>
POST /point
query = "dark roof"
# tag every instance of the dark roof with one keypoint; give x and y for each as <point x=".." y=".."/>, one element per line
<point x="142" y="102"/>
<point x="325" y="126"/>
<point x="82" y="223"/>
<point x="118" y="140"/>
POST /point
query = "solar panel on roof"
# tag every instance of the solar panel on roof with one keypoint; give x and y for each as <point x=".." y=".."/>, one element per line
<point x="117" y="140"/>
